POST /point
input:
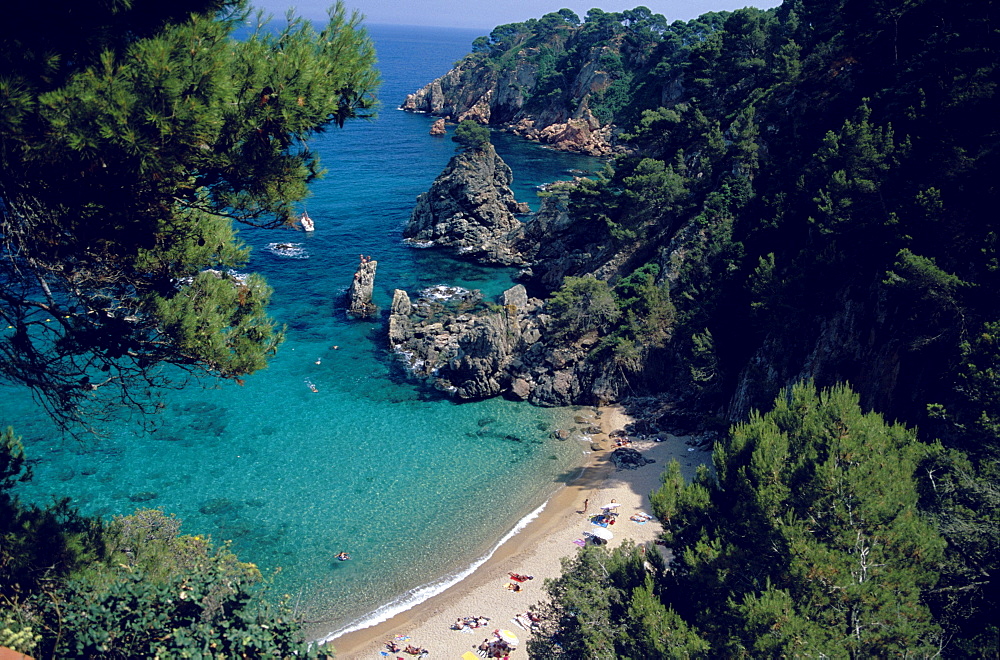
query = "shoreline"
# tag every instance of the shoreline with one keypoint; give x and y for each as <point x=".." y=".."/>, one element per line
<point x="536" y="550"/>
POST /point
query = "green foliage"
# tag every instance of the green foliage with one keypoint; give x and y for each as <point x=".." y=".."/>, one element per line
<point x="808" y="540"/>
<point x="583" y="304"/>
<point x="134" y="587"/>
<point x="471" y="135"/>
<point x="590" y="606"/>
<point x="816" y="503"/>
<point x="184" y="616"/>
<point x="126" y="153"/>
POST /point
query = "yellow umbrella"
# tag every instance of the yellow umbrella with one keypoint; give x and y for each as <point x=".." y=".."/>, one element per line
<point x="508" y="637"/>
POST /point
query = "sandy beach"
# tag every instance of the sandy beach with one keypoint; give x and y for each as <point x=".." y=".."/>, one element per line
<point x="536" y="551"/>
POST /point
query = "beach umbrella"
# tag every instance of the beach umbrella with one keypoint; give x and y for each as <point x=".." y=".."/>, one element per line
<point x="602" y="533"/>
<point x="508" y="637"/>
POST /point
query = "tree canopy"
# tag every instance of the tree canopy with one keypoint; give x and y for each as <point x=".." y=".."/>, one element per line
<point x="132" y="137"/>
<point x="471" y="135"/>
<point x="808" y="540"/>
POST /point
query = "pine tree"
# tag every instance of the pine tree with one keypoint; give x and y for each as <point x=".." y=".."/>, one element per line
<point x="128" y="147"/>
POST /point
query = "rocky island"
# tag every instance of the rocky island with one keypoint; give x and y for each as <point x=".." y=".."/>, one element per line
<point x="470" y="209"/>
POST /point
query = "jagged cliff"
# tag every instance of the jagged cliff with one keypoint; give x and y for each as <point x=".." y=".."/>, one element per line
<point x="470" y="209"/>
<point x="473" y="350"/>
<point x="792" y="210"/>
<point x="558" y="81"/>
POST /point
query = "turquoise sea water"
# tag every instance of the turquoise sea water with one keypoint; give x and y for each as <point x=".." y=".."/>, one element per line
<point x="417" y="488"/>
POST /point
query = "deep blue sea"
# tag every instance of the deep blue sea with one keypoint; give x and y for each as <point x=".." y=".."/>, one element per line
<point x="417" y="488"/>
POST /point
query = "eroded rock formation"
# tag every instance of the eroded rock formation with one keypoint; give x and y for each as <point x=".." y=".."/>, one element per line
<point x="359" y="294"/>
<point x="475" y="350"/>
<point x="470" y="208"/>
<point x="498" y="98"/>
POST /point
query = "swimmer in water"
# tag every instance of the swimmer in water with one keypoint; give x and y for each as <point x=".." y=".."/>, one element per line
<point x="319" y="360"/>
<point x="311" y="386"/>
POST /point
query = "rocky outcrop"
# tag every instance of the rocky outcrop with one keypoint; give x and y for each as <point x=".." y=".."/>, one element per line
<point x="474" y="350"/>
<point x="359" y="294"/>
<point x="583" y="134"/>
<point x="470" y="209"/>
<point x="626" y="458"/>
<point x="437" y="128"/>
<point x="499" y="97"/>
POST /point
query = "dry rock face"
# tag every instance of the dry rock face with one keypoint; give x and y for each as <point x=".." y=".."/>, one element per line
<point x="474" y="350"/>
<point x="470" y="208"/>
<point x="359" y="294"/>
<point x="437" y="128"/>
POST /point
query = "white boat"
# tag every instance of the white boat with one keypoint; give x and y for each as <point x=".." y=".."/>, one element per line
<point x="306" y="222"/>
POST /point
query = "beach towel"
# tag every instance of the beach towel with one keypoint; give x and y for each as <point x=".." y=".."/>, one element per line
<point x="469" y="655"/>
<point x="600" y="524"/>
<point x="580" y="542"/>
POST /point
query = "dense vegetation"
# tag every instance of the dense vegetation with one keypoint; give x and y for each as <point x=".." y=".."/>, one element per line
<point x="808" y="540"/>
<point x="810" y="190"/>
<point x="132" y="136"/>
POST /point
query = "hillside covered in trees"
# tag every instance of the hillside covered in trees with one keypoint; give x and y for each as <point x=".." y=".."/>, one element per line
<point x="800" y="220"/>
<point x="804" y="194"/>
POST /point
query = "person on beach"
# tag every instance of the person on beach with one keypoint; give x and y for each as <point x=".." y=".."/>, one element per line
<point x="586" y="503"/>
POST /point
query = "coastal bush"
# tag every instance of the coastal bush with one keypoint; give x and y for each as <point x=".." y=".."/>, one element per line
<point x="471" y="135"/>
<point x="807" y="539"/>
<point x="131" y="588"/>
<point x="583" y="304"/>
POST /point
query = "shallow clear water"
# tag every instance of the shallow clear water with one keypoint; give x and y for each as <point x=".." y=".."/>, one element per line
<point x="415" y="487"/>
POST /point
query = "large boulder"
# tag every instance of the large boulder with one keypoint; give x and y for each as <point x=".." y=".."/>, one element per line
<point x="471" y="209"/>
<point x="400" y="328"/>
<point x="626" y="458"/>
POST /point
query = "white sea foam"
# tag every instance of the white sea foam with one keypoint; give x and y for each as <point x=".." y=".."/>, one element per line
<point x="420" y="594"/>
<point x="289" y="250"/>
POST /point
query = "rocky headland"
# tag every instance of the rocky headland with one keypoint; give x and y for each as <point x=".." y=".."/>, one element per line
<point x="502" y="98"/>
<point x="473" y="349"/>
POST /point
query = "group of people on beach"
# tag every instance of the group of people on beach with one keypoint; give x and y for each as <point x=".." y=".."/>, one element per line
<point x="497" y="647"/>
<point x="410" y="648"/>
<point x="471" y="622"/>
